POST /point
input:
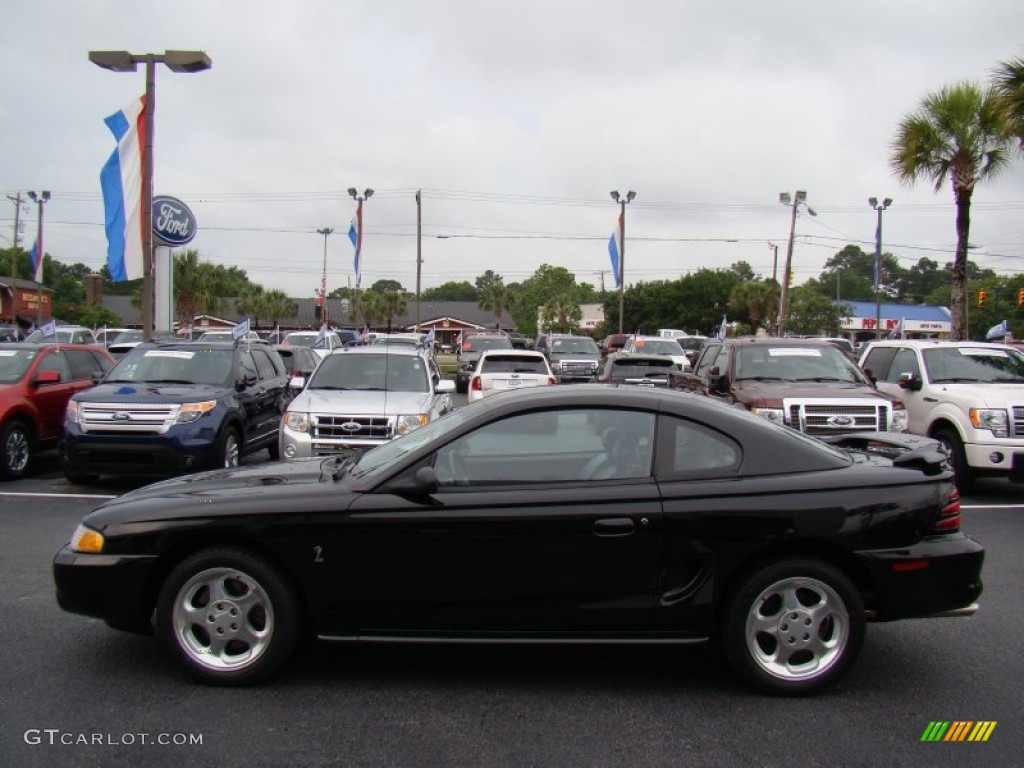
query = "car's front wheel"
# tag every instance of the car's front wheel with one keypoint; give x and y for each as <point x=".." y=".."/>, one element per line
<point x="229" y="615"/>
<point x="229" y="448"/>
<point x="951" y="442"/>
<point x="794" y="626"/>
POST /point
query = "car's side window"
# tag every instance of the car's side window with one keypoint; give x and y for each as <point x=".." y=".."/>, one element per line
<point x="708" y="359"/>
<point x="246" y="365"/>
<point x="690" y="450"/>
<point x="905" y="361"/>
<point x="264" y="364"/>
<point x="878" y="362"/>
<point x="550" y="447"/>
<point x="55" y="362"/>
<point x="82" y="362"/>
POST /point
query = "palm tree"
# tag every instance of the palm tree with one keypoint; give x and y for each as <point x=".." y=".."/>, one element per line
<point x="562" y="313"/>
<point x="392" y="303"/>
<point x="495" y="298"/>
<point x="1009" y="81"/>
<point x="754" y="298"/>
<point x="251" y="302"/>
<point x="369" y="306"/>
<point x="959" y="133"/>
<point x="193" y="287"/>
<point x="278" y="305"/>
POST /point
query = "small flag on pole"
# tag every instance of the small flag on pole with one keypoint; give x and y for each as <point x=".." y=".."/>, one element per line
<point x="723" y="329"/>
<point x="615" y="252"/>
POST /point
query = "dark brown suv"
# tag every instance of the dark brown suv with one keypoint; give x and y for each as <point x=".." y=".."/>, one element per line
<point x="36" y="382"/>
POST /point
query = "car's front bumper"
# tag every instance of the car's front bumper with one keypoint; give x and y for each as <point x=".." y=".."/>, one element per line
<point x="178" y="451"/>
<point x="115" y="588"/>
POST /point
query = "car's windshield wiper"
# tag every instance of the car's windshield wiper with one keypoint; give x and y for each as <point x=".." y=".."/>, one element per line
<point x="825" y="378"/>
<point x="761" y="378"/>
<point x="166" y="381"/>
<point x="345" y="461"/>
<point x="957" y="380"/>
<point x="341" y="389"/>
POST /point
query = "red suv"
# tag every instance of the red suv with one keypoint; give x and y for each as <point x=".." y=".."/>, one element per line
<point x="36" y="382"/>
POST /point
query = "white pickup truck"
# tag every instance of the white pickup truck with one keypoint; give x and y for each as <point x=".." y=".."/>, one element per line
<point x="968" y="395"/>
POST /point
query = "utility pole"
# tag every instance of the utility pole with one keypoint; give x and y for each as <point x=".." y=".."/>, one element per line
<point x="14" y="254"/>
<point x="323" y="278"/>
<point x="775" y="282"/>
<point x="419" y="253"/>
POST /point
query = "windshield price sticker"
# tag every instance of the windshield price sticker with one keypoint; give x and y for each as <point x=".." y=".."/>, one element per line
<point x="794" y="352"/>
<point x="170" y="353"/>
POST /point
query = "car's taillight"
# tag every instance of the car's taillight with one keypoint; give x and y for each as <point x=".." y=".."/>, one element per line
<point x="949" y="518"/>
<point x="474" y="383"/>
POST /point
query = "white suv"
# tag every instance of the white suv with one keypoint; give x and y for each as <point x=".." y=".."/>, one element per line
<point x="360" y="397"/>
<point x="969" y="395"/>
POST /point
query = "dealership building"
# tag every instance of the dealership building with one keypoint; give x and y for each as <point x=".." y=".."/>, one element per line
<point x="915" y="321"/>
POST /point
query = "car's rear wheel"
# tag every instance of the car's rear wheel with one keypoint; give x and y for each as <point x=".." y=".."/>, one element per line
<point x="229" y="616"/>
<point x="794" y="626"/>
<point x="76" y="478"/>
<point x="16" y="442"/>
<point x="229" y="448"/>
<point x="955" y="448"/>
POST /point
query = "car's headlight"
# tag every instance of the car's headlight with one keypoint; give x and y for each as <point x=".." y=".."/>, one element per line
<point x="86" y="539"/>
<point x="297" y="421"/>
<point x="190" y="412"/>
<point x="407" y="422"/>
<point x="990" y="418"/>
<point x="900" y="420"/>
<point x="776" y="415"/>
<point x="71" y="415"/>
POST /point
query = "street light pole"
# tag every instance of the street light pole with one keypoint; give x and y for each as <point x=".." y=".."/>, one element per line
<point x="775" y="282"/>
<point x="622" y="251"/>
<point x="873" y="202"/>
<point x="41" y="199"/>
<point x="358" y="263"/>
<point x="798" y="199"/>
<point x="123" y="61"/>
<point x="323" y="278"/>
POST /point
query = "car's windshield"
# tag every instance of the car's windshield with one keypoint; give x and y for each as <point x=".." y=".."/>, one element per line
<point x="300" y="339"/>
<point x="14" y="363"/>
<point x="659" y="347"/>
<point x="626" y="369"/>
<point x="582" y="346"/>
<point x="184" y="366"/>
<point x="127" y="337"/>
<point x="393" y="373"/>
<point x="486" y="342"/>
<point x="981" y="364"/>
<point x="823" y="363"/>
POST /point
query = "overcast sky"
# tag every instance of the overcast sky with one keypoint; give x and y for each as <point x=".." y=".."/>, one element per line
<point x="516" y="119"/>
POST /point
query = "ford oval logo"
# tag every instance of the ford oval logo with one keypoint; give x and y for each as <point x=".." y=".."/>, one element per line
<point x="351" y="426"/>
<point x="841" y="421"/>
<point x="173" y="222"/>
<point x="121" y="416"/>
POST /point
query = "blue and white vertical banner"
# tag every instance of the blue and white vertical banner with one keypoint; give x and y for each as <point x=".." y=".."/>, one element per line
<point x="355" y="235"/>
<point x="37" y="260"/>
<point x="121" y="184"/>
<point x="615" y="251"/>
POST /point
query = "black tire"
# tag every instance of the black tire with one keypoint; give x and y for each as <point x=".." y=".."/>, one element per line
<point x="794" y="627"/>
<point x="229" y="616"/>
<point x="229" y="449"/>
<point x="274" y="450"/>
<point x="17" y="445"/>
<point x="965" y="477"/>
<point x="461" y="387"/>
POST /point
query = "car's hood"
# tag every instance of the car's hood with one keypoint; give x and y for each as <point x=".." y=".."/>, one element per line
<point x="749" y="389"/>
<point x="986" y="395"/>
<point x="357" y="402"/>
<point x="151" y="393"/>
<point x="262" y="488"/>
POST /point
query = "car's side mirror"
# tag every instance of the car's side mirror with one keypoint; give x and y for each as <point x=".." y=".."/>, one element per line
<point x="909" y="381"/>
<point x="445" y="385"/>
<point x="297" y="382"/>
<point x="46" y="377"/>
<point x="421" y="484"/>
<point x="717" y="382"/>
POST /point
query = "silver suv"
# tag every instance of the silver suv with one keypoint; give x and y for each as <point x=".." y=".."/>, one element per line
<point x="360" y="397"/>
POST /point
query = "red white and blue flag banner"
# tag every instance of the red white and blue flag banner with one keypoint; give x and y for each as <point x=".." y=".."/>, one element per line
<point x="615" y="251"/>
<point x="121" y="183"/>
<point x="355" y="234"/>
<point x="37" y="259"/>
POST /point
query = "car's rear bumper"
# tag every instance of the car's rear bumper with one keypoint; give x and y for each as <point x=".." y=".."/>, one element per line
<point x="939" y="575"/>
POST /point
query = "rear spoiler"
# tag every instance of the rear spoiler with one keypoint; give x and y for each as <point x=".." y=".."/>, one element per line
<point x="908" y="451"/>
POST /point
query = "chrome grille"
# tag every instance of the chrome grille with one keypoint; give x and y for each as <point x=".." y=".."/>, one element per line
<point x="586" y="367"/>
<point x="330" y="427"/>
<point x="139" y="418"/>
<point x="837" y="417"/>
<point x="1018" y="421"/>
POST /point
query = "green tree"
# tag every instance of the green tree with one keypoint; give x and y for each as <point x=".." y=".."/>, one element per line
<point x="545" y="284"/>
<point x="743" y="270"/>
<point x="195" y="289"/>
<point x="384" y="286"/>
<point x="752" y="301"/>
<point x="97" y="316"/>
<point x="277" y="305"/>
<point x="450" y="291"/>
<point x="391" y="303"/>
<point x="495" y="298"/>
<point x="961" y="133"/>
<point x="486" y="280"/>
<point x="1009" y="81"/>
<point x="251" y="301"/>
<point x="811" y="313"/>
<point x="561" y="313"/>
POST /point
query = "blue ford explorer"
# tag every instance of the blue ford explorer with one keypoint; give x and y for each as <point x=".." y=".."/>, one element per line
<point x="169" y="408"/>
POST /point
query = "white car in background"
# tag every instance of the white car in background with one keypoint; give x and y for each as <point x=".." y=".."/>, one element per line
<point x="656" y="345"/>
<point x="323" y="346"/>
<point x="501" y="370"/>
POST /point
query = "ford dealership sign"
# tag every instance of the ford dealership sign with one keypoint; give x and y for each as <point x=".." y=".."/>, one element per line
<point x="173" y="222"/>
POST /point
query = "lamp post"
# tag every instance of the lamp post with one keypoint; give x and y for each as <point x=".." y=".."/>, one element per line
<point x="775" y="282"/>
<point x="323" y="277"/>
<point x="798" y="199"/>
<point x="622" y="250"/>
<point x="357" y="241"/>
<point x="873" y="202"/>
<point x="41" y="199"/>
<point x="123" y="61"/>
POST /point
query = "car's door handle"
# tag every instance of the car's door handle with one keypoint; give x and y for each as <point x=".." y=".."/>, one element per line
<point x="614" y="526"/>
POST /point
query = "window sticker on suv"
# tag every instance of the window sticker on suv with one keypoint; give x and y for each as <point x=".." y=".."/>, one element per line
<point x="170" y="353"/>
<point x="979" y="352"/>
<point x="794" y="352"/>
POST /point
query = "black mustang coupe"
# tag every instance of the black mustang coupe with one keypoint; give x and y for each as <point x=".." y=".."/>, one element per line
<point x="593" y="514"/>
